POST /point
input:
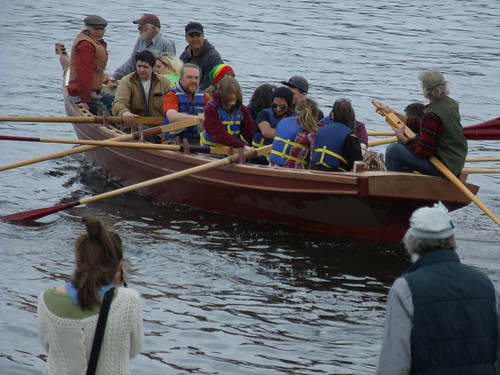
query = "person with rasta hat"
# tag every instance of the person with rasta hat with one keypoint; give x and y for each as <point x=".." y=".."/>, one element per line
<point x="151" y="39"/>
<point x="201" y="52"/>
<point x="88" y="60"/>
<point x="442" y="317"/>
<point x="440" y="132"/>
<point x="216" y="74"/>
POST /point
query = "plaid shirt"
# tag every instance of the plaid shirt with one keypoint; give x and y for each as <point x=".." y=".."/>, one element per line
<point x="429" y="129"/>
<point x="305" y="138"/>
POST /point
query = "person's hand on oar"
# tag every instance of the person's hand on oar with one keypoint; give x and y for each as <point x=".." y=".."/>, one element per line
<point x="128" y="118"/>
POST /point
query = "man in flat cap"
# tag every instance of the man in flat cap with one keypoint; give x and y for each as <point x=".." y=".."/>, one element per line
<point x="201" y="52"/>
<point x="151" y="39"/>
<point x="440" y="132"/>
<point x="87" y="62"/>
<point x="442" y="316"/>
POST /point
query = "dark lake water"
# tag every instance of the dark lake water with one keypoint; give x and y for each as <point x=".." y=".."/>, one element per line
<point x="224" y="295"/>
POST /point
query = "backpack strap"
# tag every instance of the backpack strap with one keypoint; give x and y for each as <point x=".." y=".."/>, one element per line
<point x="99" y="332"/>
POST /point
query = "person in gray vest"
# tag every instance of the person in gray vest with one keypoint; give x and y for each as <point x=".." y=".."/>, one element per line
<point x="442" y="316"/>
<point x="439" y="132"/>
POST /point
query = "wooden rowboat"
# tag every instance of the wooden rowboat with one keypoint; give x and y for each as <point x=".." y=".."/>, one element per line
<point x="373" y="205"/>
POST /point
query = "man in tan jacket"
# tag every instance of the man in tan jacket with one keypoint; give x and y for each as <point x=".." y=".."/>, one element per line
<point x="141" y="93"/>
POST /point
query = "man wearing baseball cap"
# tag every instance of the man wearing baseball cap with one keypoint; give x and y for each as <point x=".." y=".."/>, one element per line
<point x="151" y="39"/>
<point x="299" y="87"/>
<point x="442" y="316"/>
<point x="201" y="52"/>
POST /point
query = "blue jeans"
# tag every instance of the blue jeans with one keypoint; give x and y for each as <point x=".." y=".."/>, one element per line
<point x="104" y="102"/>
<point x="399" y="159"/>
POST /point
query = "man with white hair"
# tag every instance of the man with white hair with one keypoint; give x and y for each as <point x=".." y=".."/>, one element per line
<point x="151" y="39"/>
<point x="439" y="132"/>
<point x="442" y="316"/>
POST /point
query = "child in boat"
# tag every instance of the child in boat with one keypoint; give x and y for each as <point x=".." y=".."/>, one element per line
<point x="68" y="314"/>
<point x="294" y="135"/>
<point x="336" y="147"/>
<point x="227" y="120"/>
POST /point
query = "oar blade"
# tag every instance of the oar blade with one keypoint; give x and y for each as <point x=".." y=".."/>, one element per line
<point x="38" y="213"/>
<point x="488" y="130"/>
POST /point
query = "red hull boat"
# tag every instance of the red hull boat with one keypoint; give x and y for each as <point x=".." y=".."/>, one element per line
<point x="373" y="205"/>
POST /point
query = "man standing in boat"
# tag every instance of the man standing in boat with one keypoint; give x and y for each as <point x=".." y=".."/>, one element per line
<point x="151" y="39"/>
<point x="440" y="132"/>
<point x="201" y="52"/>
<point x="184" y="102"/>
<point x="87" y="63"/>
<point x="141" y="93"/>
<point x="442" y="316"/>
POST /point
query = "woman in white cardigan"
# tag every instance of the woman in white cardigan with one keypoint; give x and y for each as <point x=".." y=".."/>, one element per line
<point x="67" y="315"/>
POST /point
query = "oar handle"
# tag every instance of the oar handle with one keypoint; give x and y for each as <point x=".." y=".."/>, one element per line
<point x="85" y="119"/>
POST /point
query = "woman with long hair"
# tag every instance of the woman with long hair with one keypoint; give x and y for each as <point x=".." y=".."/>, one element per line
<point x="294" y="136"/>
<point x="336" y="146"/>
<point x="68" y="314"/>
<point x="227" y="119"/>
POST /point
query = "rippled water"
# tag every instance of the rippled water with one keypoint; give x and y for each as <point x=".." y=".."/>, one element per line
<point x="225" y="295"/>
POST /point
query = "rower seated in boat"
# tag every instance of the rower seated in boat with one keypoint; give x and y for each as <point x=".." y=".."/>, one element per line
<point x="227" y="120"/>
<point x="185" y="101"/>
<point x="336" y="147"/>
<point x="294" y="137"/>
<point x="140" y="94"/>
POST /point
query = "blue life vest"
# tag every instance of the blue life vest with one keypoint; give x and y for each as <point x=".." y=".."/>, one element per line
<point x="258" y="139"/>
<point x="329" y="146"/>
<point x="194" y="107"/>
<point x="285" y="143"/>
<point x="231" y="122"/>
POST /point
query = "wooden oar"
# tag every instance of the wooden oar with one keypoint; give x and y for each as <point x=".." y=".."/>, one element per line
<point x="480" y="170"/>
<point x="481" y="159"/>
<point x="383" y="141"/>
<point x="396" y="123"/>
<point x="152" y="146"/>
<point x="126" y="137"/>
<point x="488" y="130"/>
<point x="85" y="119"/>
<point x="41" y="212"/>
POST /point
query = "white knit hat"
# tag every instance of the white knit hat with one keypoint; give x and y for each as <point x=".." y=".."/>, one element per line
<point x="431" y="222"/>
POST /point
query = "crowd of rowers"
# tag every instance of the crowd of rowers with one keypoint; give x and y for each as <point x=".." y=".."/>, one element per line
<point x="154" y="82"/>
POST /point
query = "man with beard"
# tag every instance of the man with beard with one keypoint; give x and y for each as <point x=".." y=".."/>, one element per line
<point x="185" y="102"/>
<point x="149" y="39"/>
<point x="201" y="52"/>
<point x="140" y="94"/>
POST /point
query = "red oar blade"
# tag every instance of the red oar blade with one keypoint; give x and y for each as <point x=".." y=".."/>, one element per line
<point x="37" y="214"/>
<point x="488" y="130"/>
